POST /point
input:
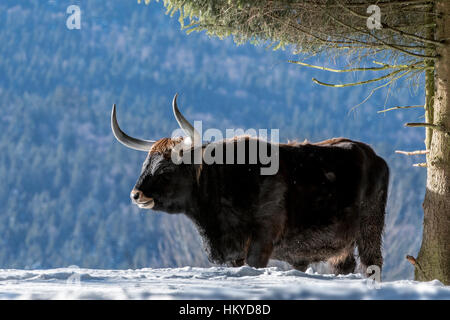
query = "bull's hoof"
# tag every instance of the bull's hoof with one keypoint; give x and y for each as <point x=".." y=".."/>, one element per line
<point x="237" y="263"/>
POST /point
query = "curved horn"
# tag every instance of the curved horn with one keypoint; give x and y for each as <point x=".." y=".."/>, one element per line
<point x="126" y="140"/>
<point x="184" y="124"/>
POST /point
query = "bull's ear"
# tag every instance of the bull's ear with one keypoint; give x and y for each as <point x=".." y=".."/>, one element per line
<point x="126" y="140"/>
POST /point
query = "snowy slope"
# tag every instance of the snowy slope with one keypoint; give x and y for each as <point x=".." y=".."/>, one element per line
<point x="204" y="283"/>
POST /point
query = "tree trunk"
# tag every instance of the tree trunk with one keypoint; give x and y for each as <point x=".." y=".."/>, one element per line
<point x="434" y="256"/>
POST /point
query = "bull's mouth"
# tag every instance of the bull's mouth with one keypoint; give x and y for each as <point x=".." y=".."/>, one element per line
<point x="148" y="204"/>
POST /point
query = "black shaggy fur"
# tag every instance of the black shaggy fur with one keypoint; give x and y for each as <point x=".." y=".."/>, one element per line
<point x="326" y="199"/>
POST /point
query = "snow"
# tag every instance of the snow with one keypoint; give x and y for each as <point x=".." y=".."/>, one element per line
<point x="205" y="283"/>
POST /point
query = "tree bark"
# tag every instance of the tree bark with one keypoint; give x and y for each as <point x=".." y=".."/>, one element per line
<point x="434" y="254"/>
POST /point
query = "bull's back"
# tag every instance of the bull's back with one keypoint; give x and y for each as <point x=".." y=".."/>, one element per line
<point x="326" y="179"/>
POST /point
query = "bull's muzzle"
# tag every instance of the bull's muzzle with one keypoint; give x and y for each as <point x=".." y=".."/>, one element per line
<point x="143" y="202"/>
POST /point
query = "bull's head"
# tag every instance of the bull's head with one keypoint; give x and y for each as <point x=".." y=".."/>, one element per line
<point x="163" y="185"/>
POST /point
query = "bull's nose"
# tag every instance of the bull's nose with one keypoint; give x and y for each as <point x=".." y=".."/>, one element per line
<point x="135" y="194"/>
<point x="141" y="200"/>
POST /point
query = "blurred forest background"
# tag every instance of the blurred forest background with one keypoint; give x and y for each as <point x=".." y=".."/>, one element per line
<point x="65" y="181"/>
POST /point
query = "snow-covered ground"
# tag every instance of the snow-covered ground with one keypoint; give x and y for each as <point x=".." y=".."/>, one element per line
<point x="205" y="283"/>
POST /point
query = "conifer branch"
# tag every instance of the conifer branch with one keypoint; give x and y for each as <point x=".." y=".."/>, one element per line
<point x="398" y="108"/>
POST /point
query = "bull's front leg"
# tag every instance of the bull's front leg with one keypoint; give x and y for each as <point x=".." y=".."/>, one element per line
<point x="259" y="251"/>
<point x="262" y="242"/>
<point x="270" y="220"/>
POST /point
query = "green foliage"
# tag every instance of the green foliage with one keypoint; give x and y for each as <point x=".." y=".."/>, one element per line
<point x="336" y="27"/>
<point x="311" y="26"/>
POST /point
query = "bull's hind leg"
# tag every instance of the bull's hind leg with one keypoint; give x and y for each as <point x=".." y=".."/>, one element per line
<point x="343" y="263"/>
<point x="369" y="242"/>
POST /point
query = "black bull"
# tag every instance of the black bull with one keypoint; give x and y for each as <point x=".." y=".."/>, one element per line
<point x="325" y="200"/>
